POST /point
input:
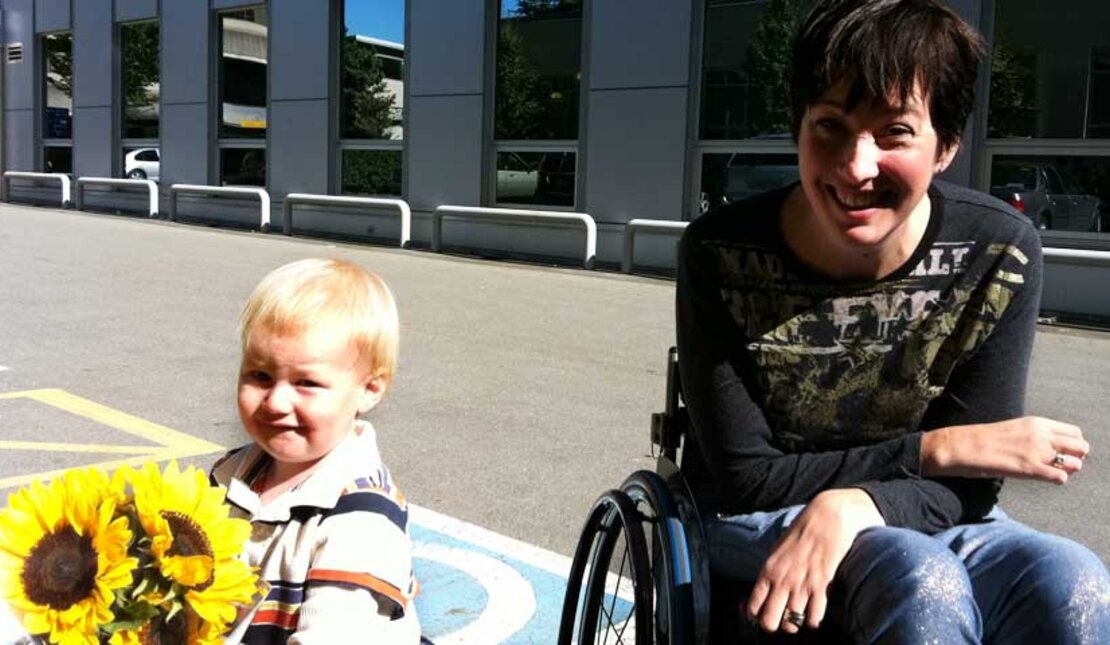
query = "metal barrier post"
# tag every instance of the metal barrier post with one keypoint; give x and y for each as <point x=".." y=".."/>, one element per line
<point x="650" y="225"/>
<point x="515" y="215"/>
<point x="200" y="189"/>
<point x="346" y="200"/>
<point x="60" y="177"/>
<point x="151" y="187"/>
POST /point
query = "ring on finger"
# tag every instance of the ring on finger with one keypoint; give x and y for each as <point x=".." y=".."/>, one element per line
<point x="795" y="618"/>
<point x="1059" y="460"/>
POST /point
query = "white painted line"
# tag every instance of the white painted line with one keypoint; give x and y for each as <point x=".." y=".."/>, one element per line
<point x="511" y="602"/>
<point x="543" y="559"/>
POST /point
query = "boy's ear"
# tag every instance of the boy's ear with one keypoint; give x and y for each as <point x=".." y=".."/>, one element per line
<point x="372" y="391"/>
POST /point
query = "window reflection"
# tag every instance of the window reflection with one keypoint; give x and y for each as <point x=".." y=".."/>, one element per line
<point x="140" y="80"/>
<point x="372" y="172"/>
<point x="732" y="177"/>
<point x="1060" y="193"/>
<point x="539" y="52"/>
<point x="242" y="167"/>
<point x="58" y="66"/>
<point x="142" y="163"/>
<point x="372" y="75"/>
<point x="746" y="58"/>
<point x="1050" y="70"/>
<point x="243" y="70"/>
<point x="57" y="159"/>
<point x="545" y="178"/>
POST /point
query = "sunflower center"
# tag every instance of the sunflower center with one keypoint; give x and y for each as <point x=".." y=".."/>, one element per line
<point x="61" y="569"/>
<point x="188" y="538"/>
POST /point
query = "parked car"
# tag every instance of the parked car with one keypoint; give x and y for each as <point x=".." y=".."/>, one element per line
<point x="142" y="163"/>
<point x="747" y="175"/>
<point x="1046" y="195"/>
<point x="516" y="178"/>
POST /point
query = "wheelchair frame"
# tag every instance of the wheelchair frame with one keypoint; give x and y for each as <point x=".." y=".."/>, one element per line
<point x="651" y="520"/>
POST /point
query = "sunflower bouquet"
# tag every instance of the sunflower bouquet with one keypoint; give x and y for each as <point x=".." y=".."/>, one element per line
<point x="143" y="556"/>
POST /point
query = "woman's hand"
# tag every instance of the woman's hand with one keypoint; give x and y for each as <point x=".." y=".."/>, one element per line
<point x="1025" y="447"/>
<point x="798" y="572"/>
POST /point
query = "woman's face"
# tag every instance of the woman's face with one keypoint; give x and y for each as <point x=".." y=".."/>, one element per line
<point x="865" y="172"/>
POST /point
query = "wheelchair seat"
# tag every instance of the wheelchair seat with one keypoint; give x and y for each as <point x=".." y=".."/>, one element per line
<point x="641" y="571"/>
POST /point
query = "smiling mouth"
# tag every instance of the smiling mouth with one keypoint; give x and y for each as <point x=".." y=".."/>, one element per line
<point x="858" y="201"/>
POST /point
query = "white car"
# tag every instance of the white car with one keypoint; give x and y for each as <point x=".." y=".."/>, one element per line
<point x="142" y="163"/>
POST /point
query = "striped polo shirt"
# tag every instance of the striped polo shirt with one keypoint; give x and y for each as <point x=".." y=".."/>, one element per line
<point x="322" y="545"/>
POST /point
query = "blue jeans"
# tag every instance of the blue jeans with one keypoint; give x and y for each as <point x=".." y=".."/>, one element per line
<point x="994" y="582"/>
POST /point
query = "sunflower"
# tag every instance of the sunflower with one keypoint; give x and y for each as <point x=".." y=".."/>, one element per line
<point x="193" y="541"/>
<point x="63" y="553"/>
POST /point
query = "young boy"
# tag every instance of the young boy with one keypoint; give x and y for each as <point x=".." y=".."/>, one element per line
<point x="320" y="341"/>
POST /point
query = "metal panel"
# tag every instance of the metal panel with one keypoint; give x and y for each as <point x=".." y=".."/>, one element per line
<point x="639" y="44"/>
<point x="19" y="78"/>
<point x="445" y="151"/>
<point x="184" y="144"/>
<point x="185" y="42"/>
<point x="92" y="141"/>
<point x="52" y="15"/>
<point x="298" y="147"/>
<point x="446" y="49"/>
<point x="637" y="139"/>
<point x="127" y="10"/>
<point x="300" y="35"/>
<point x="19" y="140"/>
<point x="92" y="53"/>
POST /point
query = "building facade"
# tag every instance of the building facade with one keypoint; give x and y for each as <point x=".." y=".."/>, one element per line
<point x="657" y="109"/>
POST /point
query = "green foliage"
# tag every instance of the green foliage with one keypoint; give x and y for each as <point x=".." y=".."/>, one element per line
<point x="372" y="172"/>
<point x="518" y="88"/>
<point x="367" y="103"/>
<point x="139" y="54"/>
<point x="768" y="67"/>
<point x="1013" y="95"/>
<point x="538" y="8"/>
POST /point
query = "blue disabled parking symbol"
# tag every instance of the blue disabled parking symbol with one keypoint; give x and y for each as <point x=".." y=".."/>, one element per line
<point x="477" y="586"/>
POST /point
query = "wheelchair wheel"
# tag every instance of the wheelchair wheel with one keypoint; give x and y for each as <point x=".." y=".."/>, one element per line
<point x="672" y="573"/>
<point x="614" y="606"/>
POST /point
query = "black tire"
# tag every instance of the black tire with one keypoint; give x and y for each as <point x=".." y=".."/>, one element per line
<point x="590" y="614"/>
<point x="672" y="571"/>
<point x="137" y="173"/>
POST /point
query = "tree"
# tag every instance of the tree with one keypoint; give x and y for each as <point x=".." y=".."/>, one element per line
<point x="543" y="8"/>
<point x="140" y="63"/>
<point x="1013" y="98"/>
<point x="768" y="67"/>
<point x="368" y="105"/>
<point x="519" y="110"/>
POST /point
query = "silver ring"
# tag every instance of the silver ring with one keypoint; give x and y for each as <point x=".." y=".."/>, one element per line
<point x="1059" y="460"/>
<point x="795" y="618"/>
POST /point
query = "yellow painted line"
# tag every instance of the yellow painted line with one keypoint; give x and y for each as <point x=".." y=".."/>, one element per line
<point x="115" y="419"/>
<point x="171" y="443"/>
<point x="77" y="447"/>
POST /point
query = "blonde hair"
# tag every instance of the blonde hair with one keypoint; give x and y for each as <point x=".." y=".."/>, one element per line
<point x="330" y="293"/>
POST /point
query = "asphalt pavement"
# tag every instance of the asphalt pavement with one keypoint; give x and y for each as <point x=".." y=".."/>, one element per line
<point x="523" y="390"/>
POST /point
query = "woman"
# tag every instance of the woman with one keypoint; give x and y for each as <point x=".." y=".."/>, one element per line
<point x="853" y="351"/>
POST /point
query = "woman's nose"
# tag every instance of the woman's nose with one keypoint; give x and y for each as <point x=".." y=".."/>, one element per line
<point x="861" y="159"/>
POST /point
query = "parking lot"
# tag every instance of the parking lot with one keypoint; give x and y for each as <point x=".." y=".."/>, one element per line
<point x="523" y="391"/>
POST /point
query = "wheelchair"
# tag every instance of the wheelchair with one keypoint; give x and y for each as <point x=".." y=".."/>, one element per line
<point x="641" y="571"/>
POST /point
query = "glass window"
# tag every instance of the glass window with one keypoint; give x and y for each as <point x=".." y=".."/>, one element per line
<point x="745" y="67"/>
<point x="140" y="80"/>
<point x="1050" y="71"/>
<point x="539" y="65"/>
<point x="57" y="159"/>
<point x="731" y="177"/>
<point x="141" y="163"/>
<point x="536" y="178"/>
<point x="1057" y="192"/>
<point x="58" y="86"/>
<point x="372" y="172"/>
<point x="372" y="73"/>
<point x="243" y="74"/>
<point x="243" y="167"/>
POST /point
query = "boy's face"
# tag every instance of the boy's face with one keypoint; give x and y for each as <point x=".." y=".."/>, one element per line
<point x="299" y="394"/>
<point x="864" y="172"/>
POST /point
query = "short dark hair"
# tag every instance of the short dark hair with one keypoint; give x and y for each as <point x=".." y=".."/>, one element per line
<point x="882" y="47"/>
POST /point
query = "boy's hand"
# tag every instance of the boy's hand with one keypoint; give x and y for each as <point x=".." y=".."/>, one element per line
<point x="798" y="572"/>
